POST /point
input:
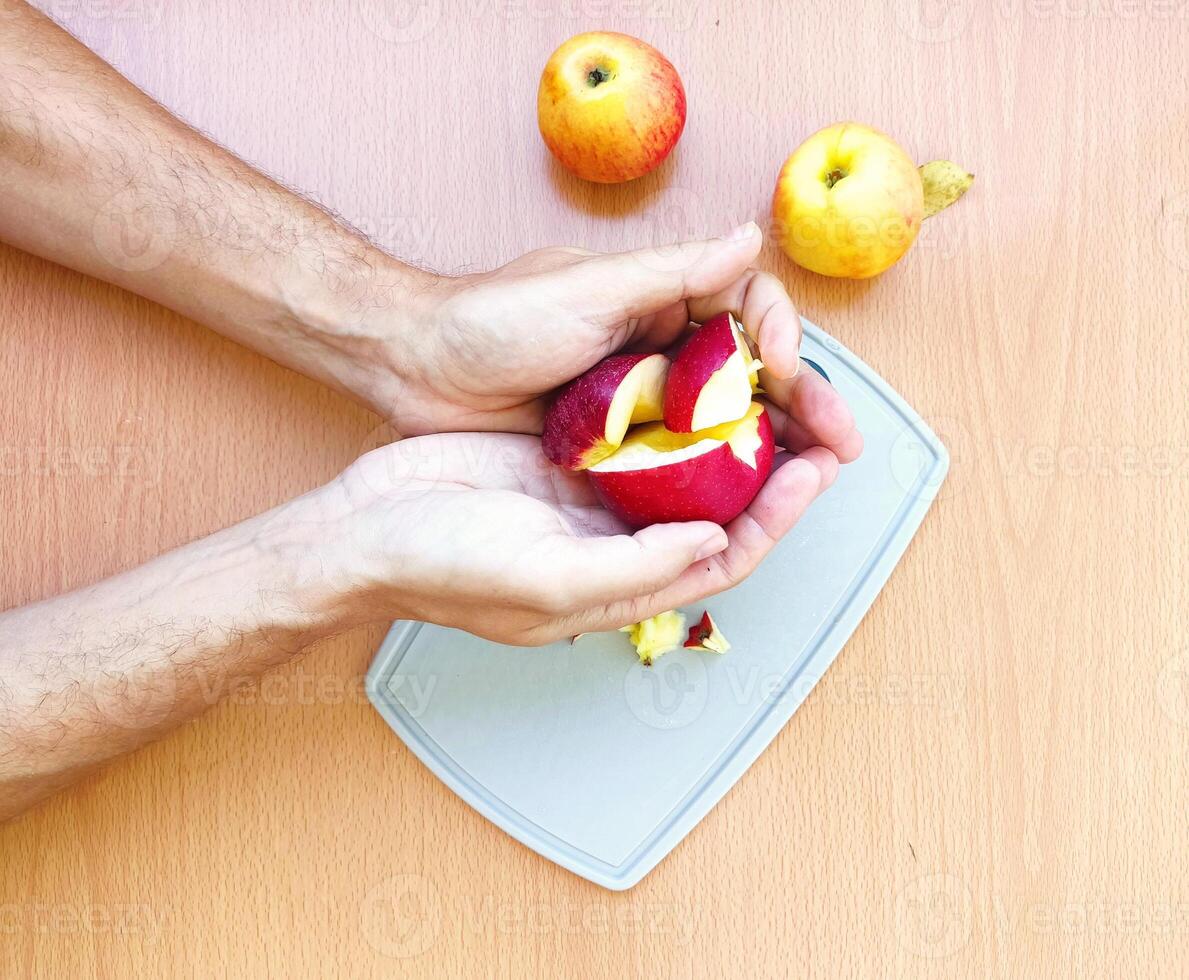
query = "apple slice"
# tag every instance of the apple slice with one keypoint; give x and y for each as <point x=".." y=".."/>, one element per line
<point x="658" y="475"/>
<point x="712" y="379"/>
<point x="588" y="420"/>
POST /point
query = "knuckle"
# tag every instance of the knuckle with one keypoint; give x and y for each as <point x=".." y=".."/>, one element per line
<point x="549" y="598"/>
<point x="537" y="636"/>
<point x="735" y="567"/>
<point x="559" y="601"/>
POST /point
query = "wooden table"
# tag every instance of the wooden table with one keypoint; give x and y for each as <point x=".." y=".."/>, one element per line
<point x="992" y="779"/>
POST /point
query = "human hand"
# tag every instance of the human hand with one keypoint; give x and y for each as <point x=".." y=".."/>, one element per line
<point x="485" y="350"/>
<point x="480" y="532"/>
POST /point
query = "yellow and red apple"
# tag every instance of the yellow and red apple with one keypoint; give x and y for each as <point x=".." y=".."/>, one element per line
<point x="705" y="459"/>
<point x="848" y="203"/>
<point x="610" y="107"/>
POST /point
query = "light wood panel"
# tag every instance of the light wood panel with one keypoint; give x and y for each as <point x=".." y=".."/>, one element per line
<point x="992" y="779"/>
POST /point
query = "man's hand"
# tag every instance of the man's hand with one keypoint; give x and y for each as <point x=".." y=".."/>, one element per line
<point x="485" y="350"/>
<point x="469" y="530"/>
<point x="481" y="532"/>
<point x="489" y="346"/>
<point x="85" y="157"/>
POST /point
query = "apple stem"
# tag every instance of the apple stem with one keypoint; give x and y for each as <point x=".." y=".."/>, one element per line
<point x="596" y="76"/>
<point x="833" y="177"/>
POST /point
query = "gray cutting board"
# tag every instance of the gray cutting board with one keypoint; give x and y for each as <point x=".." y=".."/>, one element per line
<point x="603" y="765"/>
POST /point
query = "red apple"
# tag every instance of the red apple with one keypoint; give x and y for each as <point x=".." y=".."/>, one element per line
<point x="610" y="107"/>
<point x="658" y="475"/>
<point x="712" y="378"/>
<point x="588" y="420"/>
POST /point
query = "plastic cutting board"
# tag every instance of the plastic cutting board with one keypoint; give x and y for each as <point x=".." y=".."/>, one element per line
<point x="603" y="765"/>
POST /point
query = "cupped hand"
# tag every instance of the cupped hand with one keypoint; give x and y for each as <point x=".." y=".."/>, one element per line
<point x="486" y="350"/>
<point x="479" y="531"/>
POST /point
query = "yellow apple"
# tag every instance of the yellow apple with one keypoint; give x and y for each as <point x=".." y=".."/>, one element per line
<point x="848" y="202"/>
<point x="610" y="107"/>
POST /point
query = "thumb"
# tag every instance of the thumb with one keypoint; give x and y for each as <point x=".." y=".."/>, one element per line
<point x="618" y="286"/>
<point x="597" y="571"/>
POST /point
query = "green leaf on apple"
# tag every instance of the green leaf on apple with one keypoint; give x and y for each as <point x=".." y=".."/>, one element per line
<point x="944" y="182"/>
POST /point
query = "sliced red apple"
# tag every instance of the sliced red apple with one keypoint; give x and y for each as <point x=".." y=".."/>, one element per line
<point x="712" y="378"/>
<point x="705" y="635"/>
<point x="658" y="475"/>
<point x="589" y="418"/>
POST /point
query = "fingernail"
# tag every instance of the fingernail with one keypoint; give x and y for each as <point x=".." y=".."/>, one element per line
<point x="711" y="546"/>
<point x="743" y="233"/>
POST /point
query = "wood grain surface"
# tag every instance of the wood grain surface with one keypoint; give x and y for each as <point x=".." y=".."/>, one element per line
<point x="992" y="779"/>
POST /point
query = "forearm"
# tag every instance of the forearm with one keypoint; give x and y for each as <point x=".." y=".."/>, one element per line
<point x="97" y="176"/>
<point x="99" y="672"/>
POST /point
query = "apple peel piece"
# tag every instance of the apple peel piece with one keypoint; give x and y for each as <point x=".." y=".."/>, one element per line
<point x="656" y="636"/>
<point x="712" y="378"/>
<point x="943" y="183"/>
<point x="590" y="417"/>
<point x="705" y="635"/>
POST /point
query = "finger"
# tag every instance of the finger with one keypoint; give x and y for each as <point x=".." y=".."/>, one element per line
<point x="791" y="435"/>
<point x="762" y="304"/>
<point x="806" y="410"/>
<point x="794" y="437"/>
<point x="780" y="504"/>
<point x="660" y="330"/>
<point x="601" y="571"/>
<point x="614" y="288"/>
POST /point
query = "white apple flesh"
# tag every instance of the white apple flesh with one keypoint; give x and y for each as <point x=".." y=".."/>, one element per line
<point x="658" y="475"/>
<point x="588" y="420"/>
<point x="712" y="378"/>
